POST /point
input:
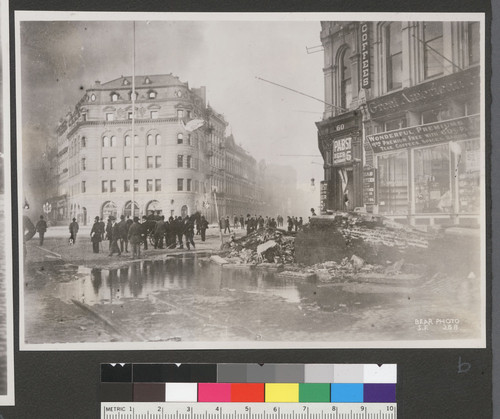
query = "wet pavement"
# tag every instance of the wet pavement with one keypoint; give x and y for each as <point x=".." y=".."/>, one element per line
<point x="187" y="298"/>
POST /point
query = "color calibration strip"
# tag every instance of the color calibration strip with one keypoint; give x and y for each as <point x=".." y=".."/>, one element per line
<point x="249" y="383"/>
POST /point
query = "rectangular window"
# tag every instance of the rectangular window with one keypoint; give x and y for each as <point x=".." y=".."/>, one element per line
<point x="393" y="183"/>
<point x="430" y="116"/>
<point x="136" y="162"/>
<point x="84" y="186"/>
<point x="126" y="163"/>
<point x="104" y="163"/>
<point x="394" y="124"/>
<point x="180" y="158"/>
<point x="149" y="161"/>
<point x="110" y="117"/>
<point x="468" y="156"/>
<point x="126" y="185"/>
<point x="158" y="161"/>
<point x="180" y="184"/>
<point x="432" y="179"/>
<point x="83" y="142"/>
<point x="129" y="115"/>
<point x="180" y="113"/>
<point x="112" y="163"/>
<point x="104" y="186"/>
<point x="473" y="43"/>
<point x="149" y="185"/>
<point x="188" y="162"/>
<point x="154" y="114"/>
<point x="136" y="185"/>
<point x="188" y="184"/>
<point x="112" y="185"/>
<point x="433" y="49"/>
<point x="84" y="164"/>
<point x="157" y="185"/>
<point x="394" y="55"/>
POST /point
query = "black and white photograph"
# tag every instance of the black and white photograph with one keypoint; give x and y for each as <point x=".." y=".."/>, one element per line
<point x="258" y="180"/>
<point x="6" y="285"/>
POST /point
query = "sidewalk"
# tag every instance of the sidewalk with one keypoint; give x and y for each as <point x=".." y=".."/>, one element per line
<point x="56" y="247"/>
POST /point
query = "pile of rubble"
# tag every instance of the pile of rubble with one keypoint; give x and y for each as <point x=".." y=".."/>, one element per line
<point x="266" y="245"/>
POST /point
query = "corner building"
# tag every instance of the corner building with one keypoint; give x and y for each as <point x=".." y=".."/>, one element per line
<point x="105" y="169"/>
<point x="400" y="135"/>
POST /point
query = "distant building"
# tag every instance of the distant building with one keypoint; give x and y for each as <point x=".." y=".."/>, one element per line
<point x="110" y="163"/>
<point x="403" y="135"/>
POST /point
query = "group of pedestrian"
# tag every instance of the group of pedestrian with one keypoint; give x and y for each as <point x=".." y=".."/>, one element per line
<point x="294" y="223"/>
<point x="171" y="233"/>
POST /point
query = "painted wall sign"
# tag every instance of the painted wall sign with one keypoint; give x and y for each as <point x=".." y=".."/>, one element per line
<point x="365" y="57"/>
<point x="436" y="90"/>
<point x="369" y="185"/>
<point x="342" y="150"/>
<point x="458" y="129"/>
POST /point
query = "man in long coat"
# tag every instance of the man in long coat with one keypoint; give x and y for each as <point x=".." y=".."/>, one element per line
<point x="115" y="236"/>
<point x="96" y="235"/>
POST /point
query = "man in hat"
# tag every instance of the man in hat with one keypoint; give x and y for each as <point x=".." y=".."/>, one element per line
<point x="96" y="235"/>
<point x="135" y="237"/>
<point x="115" y="236"/>
<point x="73" y="230"/>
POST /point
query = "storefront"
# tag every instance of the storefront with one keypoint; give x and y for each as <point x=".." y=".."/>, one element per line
<point x="430" y="174"/>
<point x="340" y="143"/>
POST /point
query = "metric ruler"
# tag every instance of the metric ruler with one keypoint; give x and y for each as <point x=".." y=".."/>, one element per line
<point x="169" y="410"/>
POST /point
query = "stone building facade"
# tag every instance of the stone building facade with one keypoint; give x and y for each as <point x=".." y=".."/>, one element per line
<point x="112" y="161"/>
<point x="401" y="134"/>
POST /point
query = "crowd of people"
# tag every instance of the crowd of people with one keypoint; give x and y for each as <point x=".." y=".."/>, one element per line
<point x="253" y="223"/>
<point x="154" y="228"/>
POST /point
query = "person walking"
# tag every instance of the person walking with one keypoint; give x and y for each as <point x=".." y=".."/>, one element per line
<point x="73" y="231"/>
<point x="226" y="225"/>
<point x="102" y="226"/>
<point x="159" y="232"/>
<point x="41" y="227"/>
<point x="203" y="227"/>
<point x="242" y="222"/>
<point x="134" y="237"/>
<point x="96" y="235"/>
<point x="115" y="237"/>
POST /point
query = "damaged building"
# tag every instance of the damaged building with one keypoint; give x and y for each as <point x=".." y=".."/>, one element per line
<point x="402" y="133"/>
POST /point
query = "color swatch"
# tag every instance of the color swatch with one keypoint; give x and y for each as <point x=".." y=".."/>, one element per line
<point x="249" y="383"/>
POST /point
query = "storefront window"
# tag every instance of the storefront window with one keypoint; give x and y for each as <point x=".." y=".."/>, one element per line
<point x="393" y="183"/>
<point x="469" y="171"/>
<point x="432" y="180"/>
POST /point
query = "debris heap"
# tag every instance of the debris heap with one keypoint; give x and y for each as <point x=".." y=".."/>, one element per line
<point x="265" y="245"/>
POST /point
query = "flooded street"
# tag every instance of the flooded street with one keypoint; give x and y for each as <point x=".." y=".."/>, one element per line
<point x="188" y="298"/>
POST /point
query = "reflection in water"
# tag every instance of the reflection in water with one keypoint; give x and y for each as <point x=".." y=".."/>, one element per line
<point x="193" y="272"/>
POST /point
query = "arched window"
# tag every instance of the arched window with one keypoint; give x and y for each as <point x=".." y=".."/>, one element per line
<point x="158" y="139"/>
<point x="149" y="139"/>
<point x="345" y="79"/>
<point x="114" y="97"/>
<point x="108" y="209"/>
<point x="180" y="138"/>
<point x="112" y="141"/>
<point x="127" y="140"/>
<point x="105" y="141"/>
<point x="152" y="94"/>
<point x="128" y="209"/>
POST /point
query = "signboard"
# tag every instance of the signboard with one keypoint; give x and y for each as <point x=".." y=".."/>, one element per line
<point x="433" y="91"/>
<point x="323" y="196"/>
<point x="369" y="185"/>
<point x="464" y="128"/>
<point x="365" y="57"/>
<point x="342" y="150"/>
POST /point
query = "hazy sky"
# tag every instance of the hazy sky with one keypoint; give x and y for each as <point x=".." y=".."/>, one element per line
<point x="60" y="59"/>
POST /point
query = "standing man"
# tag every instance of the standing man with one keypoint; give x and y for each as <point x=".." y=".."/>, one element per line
<point x="189" y="232"/>
<point x="96" y="235"/>
<point x="41" y="227"/>
<point x="102" y="226"/>
<point x="109" y="230"/>
<point x="73" y="231"/>
<point x="134" y="236"/>
<point x="159" y="232"/>
<point x="115" y="236"/>
<point x="203" y="227"/>
<point x="123" y="229"/>
<point x="226" y="225"/>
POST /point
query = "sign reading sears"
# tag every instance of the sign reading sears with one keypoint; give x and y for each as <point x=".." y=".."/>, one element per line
<point x="342" y="150"/>
<point x="464" y="128"/>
